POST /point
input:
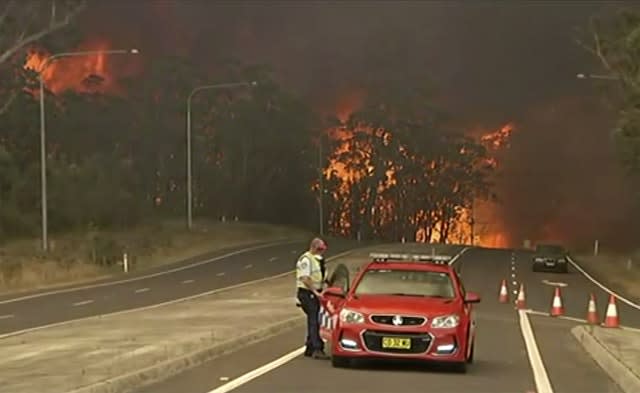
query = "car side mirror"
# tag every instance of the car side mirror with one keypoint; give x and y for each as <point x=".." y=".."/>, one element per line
<point x="334" y="291"/>
<point x="472" y="297"/>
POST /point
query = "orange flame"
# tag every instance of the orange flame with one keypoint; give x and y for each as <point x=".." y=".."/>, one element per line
<point x="86" y="73"/>
<point x="359" y="165"/>
<point x="498" y="139"/>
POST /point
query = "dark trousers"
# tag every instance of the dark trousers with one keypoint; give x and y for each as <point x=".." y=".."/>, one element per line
<point x="311" y="306"/>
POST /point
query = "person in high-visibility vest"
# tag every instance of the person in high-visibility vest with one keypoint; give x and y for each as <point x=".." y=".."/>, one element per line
<point x="309" y="282"/>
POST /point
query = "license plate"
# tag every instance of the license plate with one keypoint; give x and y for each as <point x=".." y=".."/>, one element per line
<point x="396" y="343"/>
<point x="550" y="263"/>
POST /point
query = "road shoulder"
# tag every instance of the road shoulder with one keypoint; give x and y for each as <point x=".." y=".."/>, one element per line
<point x="569" y="367"/>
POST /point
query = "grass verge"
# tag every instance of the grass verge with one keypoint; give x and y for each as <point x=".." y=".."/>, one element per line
<point x="616" y="270"/>
<point x="80" y="257"/>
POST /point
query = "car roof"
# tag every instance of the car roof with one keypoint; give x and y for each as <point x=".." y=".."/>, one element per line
<point x="398" y="261"/>
<point x="409" y="265"/>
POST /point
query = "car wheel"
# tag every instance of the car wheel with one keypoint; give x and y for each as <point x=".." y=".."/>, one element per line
<point x="340" y="361"/>
<point x="470" y="359"/>
<point x="460" y="367"/>
<point x="565" y="269"/>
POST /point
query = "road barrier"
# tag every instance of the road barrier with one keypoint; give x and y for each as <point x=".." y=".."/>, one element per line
<point x="504" y="294"/>
<point x="557" y="309"/>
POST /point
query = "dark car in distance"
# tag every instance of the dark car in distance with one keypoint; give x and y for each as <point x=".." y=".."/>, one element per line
<point x="550" y="258"/>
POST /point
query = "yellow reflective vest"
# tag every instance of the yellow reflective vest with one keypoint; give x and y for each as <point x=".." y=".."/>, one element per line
<point x="308" y="265"/>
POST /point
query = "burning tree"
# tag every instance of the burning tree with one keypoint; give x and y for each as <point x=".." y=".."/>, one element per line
<point x="23" y="23"/>
<point x="396" y="173"/>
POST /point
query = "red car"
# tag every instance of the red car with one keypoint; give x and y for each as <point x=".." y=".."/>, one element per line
<point x="400" y="306"/>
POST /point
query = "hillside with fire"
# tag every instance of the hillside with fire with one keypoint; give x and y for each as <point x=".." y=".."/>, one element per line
<point x="385" y="176"/>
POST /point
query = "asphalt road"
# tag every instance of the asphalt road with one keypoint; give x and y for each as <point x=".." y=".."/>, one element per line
<point x="195" y="276"/>
<point x="575" y="290"/>
<point x="501" y="358"/>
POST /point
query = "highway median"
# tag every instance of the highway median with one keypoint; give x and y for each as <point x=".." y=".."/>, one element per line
<point x="123" y="351"/>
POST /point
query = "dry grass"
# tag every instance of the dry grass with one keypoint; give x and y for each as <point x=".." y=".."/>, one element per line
<point x="77" y="257"/>
<point x="615" y="269"/>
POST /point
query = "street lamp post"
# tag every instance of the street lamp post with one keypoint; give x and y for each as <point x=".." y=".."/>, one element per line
<point x="321" y="186"/>
<point x="189" y="163"/>
<point x="43" y="134"/>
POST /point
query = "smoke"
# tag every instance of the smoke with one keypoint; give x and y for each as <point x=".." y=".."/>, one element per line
<point x="489" y="62"/>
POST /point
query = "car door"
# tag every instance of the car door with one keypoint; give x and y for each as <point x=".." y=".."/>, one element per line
<point x="331" y="305"/>
<point x="470" y="314"/>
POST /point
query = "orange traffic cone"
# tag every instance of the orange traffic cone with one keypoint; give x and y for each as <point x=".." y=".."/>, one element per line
<point x="520" y="302"/>
<point x="556" y="306"/>
<point x="592" y="314"/>
<point x="611" y="318"/>
<point x="504" y="294"/>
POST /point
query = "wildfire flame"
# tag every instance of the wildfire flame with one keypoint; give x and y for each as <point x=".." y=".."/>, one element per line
<point x="86" y="73"/>
<point x="359" y="165"/>
<point x="498" y="139"/>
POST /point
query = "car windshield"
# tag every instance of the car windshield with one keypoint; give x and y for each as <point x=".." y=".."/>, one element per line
<point x="549" y="249"/>
<point x="406" y="283"/>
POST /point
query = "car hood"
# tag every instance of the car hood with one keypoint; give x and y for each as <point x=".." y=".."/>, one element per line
<point x="384" y="304"/>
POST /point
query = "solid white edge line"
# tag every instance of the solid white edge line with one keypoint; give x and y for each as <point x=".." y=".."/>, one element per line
<point x="162" y="273"/>
<point x="167" y="303"/>
<point x="609" y="291"/>
<point x="251" y="375"/>
<point x="458" y="255"/>
<point x="543" y="385"/>
<point x="82" y="303"/>
<point x="7" y="316"/>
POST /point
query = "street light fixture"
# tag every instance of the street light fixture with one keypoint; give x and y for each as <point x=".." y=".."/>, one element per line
<point x="189" y="163"/>
<point x="43" y="134"/>
<point x="593" y="76"/>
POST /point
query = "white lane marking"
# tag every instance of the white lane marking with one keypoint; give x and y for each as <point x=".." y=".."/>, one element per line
<point x="253" y="374"/>
<point x="513" y="275"/>
<point x="82" y="303"/>
<point x="167" y="303"/>
<point x="220" y="274"/>
<point x="272" y="259"/>
<point x="458" y="255"/>
<point x="142" y="290"/>
<point x="607" y="290"/>
<point x="513" y="268"/>
<point x="38" y="352"/>
<point x="7" y="316"/>
<point x="249" y="266"/>
<point x="543" y="385"/>
<point x="187" y="281"/>
<point x="164" y="272"/>
<point x="555" y="284"/>
<point x="515" y="292"/>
